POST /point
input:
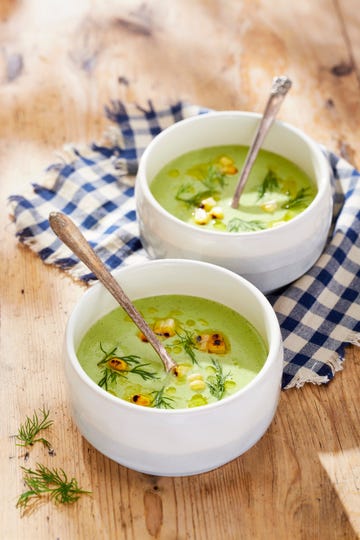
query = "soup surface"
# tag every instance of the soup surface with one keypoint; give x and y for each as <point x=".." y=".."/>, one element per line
<point x="217" y="352"/>
<point x="198" y="187"/>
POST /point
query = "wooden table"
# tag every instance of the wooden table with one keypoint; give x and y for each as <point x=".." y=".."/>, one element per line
<point x="60" y="63"/>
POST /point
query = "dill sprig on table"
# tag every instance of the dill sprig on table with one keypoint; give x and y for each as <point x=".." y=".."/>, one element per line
<point x="53" y="482"/>
<point x="29" y="430"/>
<point x="217" y="382"/>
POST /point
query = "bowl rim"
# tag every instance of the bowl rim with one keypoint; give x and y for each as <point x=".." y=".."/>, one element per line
<point x="275" y="345"/>
<point x="315" y="148"/>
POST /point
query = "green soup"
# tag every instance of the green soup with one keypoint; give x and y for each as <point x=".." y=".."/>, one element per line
<point x="198" y="188"/>
<point x="217" y="352"/>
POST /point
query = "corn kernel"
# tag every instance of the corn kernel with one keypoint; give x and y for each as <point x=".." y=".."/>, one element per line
<point x="269" y="206"/>
<point x="208" y="204"/>
<point x="141" y="399"/>
<point x="229" y="169"/>
<point x="201" y="217"/>
<point x="217" y="213"/>
<point x="196" y="385"/>
<point x="180" y="370"/>
<point x="216" y="344"/>
<point x="194" y="377"/>
<point x="118" y="364"/>
<point x="225" y="160"/>
<point x="202" y="342"/>
<point x="211" y="343"/>
<point x="165" y="327"/>
<point x="142" y="337"/>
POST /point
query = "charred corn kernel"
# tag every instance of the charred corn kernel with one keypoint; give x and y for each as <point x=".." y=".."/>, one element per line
<point x="217" y="344"/>
<point x="118" y="364"/>
<point x="201" y="217"/>
<point x="201" y="341"/>
<point x="269" y="206"/>
<point x="181" y="370"/>
<point x="194" y="377"/>
<point x="143" y="337"/>
<point x="197" y="384"/>
<point x="208" y="204"/>
<point x="165" y="327"/>
<point x="211" y="343"/>
<point x="141" y="399"/>
<point x="217" y="212"/>
<point x="229" y="169"/>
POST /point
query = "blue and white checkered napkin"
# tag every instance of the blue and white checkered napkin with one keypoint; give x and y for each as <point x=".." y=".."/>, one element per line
<point x="319" y="313"/>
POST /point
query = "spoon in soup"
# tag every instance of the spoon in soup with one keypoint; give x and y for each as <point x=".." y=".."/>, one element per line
<point x="69" y="233"/>
<point x="279" y="89"/>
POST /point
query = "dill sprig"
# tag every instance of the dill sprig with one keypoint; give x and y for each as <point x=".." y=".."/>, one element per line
<point x="212" y="181"/>
<point x="300" y="199"/>
<point x="186" y="339"/>
<point x="194" y="200"/>
<point x="237" y="225"/>
<point x="270" y="183"/>
<point x="54" y="482"/>
<point x="217" y="382"/>
<point x="107" y="355"/>
<point x="160" y="401"/>
<point x="29" y="430"/>
<point x="144" y="374"/>
<point x="110" y="375"/>
<point x="129" y="359"/>
<point x="214" y="178"/>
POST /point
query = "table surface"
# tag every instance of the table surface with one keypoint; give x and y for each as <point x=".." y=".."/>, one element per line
<point x="59" y="66"/>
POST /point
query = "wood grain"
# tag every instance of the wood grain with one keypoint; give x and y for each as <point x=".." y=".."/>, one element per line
<point x="59" y="66"/>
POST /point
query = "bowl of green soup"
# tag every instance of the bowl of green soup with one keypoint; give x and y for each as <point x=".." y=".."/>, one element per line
<point x="186" y="181"/>
<point x="220" y="399"/>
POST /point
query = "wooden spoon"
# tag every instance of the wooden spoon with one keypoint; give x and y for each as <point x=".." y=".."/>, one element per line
<point x="69" y="233"/>
<point x="279" y="89"/>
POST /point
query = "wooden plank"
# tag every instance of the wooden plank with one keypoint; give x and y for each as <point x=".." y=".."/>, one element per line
<point x="58" y="68"/>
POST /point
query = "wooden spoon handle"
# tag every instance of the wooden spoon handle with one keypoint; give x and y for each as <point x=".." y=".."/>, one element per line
<point x="69" y="233"/>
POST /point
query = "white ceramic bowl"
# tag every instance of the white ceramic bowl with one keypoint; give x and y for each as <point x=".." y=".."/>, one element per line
<point x="184" y="441"/>
<point x="268" y="258"/>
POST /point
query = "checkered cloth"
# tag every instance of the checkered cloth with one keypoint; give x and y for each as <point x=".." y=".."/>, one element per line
<point x="319" y="313"/>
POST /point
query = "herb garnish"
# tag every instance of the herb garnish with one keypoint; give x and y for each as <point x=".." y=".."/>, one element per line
<point x="300" y="199"/>
<point x="129" y="359"/>
<point x="54" y="482"/>
<point x="270" y="183"/>
<point x="160" y="401"/>
<point x="216" y="383"/>
<point x="195" y="200"/>
<point x="237" y="224"/>
<point x="29" y="430"/>
<point x="110" y="374"/>
<point x="187" y="341"/>
<point x="212" y="181"/>
<point x="214" y="178"/>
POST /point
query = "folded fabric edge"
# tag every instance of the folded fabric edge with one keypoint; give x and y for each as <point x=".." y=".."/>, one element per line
<point x="335" y="363"/>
